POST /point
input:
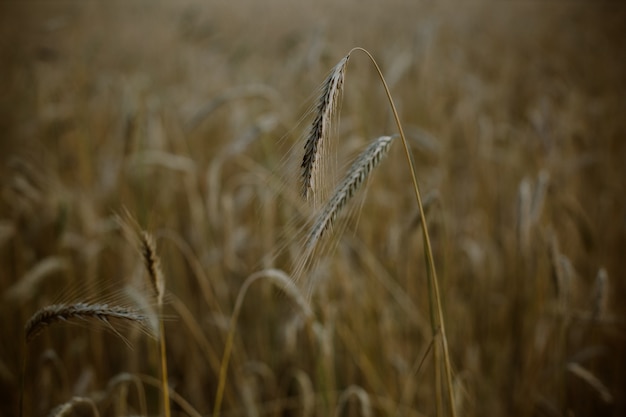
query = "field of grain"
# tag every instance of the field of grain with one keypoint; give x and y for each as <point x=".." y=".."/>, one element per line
<point x="151" y="212"/>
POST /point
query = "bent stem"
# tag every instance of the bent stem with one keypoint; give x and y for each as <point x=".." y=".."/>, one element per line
<point x="284" y="282"/>
<point x="438" y="324"/>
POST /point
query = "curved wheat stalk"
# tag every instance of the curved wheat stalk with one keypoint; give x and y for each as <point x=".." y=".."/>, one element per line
<point x="283" y="281"/>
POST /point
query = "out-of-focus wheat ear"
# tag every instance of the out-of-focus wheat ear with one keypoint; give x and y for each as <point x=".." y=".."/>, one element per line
<point x="362" y="397"/>
<point x="539" y="197"/>
<point x="524" y="213"/>
<point x="592" y="380"/>
<point x="600" y="295"/>
<point x="319" y="131"/>
<point x="80" y="311"/>
<point x="357" y="174"/>
<point x="67" y="409"/>
<point x="153" y="265"/>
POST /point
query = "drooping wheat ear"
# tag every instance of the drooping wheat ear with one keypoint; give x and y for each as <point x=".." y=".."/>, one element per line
<point x="152" y="264"/>
<point x="357" y="174"/>
<point x="320" y="129"/>
<point x="80" y="311"/>
<point x="362" y="397"/>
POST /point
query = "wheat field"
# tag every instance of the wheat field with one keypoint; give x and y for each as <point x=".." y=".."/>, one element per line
<point x="157" y="213"/>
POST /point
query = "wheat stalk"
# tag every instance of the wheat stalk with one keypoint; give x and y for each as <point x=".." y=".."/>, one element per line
<point x="147" y="246"/>
<point x="310" y="163"/>
<point x="79" y="311"/>
<point x="157" y="280"/>
<point x="357" y="174"/>
<point x="320" y="129"/>
<point x="283" y="281"/>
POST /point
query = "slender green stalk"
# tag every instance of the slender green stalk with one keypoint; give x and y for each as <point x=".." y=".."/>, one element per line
<point x="429" y="253"/>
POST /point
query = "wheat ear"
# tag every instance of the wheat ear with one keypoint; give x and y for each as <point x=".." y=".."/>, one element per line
<point x="319" y="131"/>
<point x="147" y="246"/>
<point x="79" y="311"/>
<point x="357" y="174"/>
<point x="152" y="264"/>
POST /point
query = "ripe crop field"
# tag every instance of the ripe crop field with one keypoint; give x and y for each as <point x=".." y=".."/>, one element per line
<point x="208" y="208"/>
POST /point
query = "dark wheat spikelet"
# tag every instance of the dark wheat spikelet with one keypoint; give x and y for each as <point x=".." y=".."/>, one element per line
<point x="320" y="129"/>
<point x="80" y="311"/>
<point x="153" y="264"/>
<point x="357" y="174"/>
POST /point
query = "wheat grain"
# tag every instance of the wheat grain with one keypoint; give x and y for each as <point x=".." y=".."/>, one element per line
<point x="357" y="174"/>
<point x="146" y="244"/>
<point x="320" y="129"/>
<point x="152" y="264"/>
<point x="79" y="311"/>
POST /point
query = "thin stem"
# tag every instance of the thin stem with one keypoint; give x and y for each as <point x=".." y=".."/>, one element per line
<point x="23" y="377"/>
<point x="164" y="384"/>
<point x="429" y="252"/>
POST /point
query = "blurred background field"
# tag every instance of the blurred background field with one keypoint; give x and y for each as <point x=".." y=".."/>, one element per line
<point x="179" y="112"/>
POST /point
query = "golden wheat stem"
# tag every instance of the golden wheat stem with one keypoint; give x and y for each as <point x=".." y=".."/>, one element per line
<point x="429" y="252"/>
<point x="164" y="384"/>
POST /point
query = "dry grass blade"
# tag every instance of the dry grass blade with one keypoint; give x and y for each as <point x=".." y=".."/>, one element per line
<point x="320" y="129"/>
<point x="80" y="311"/>
<point x="357" y="174"/>
<point x="592" y="380"/>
